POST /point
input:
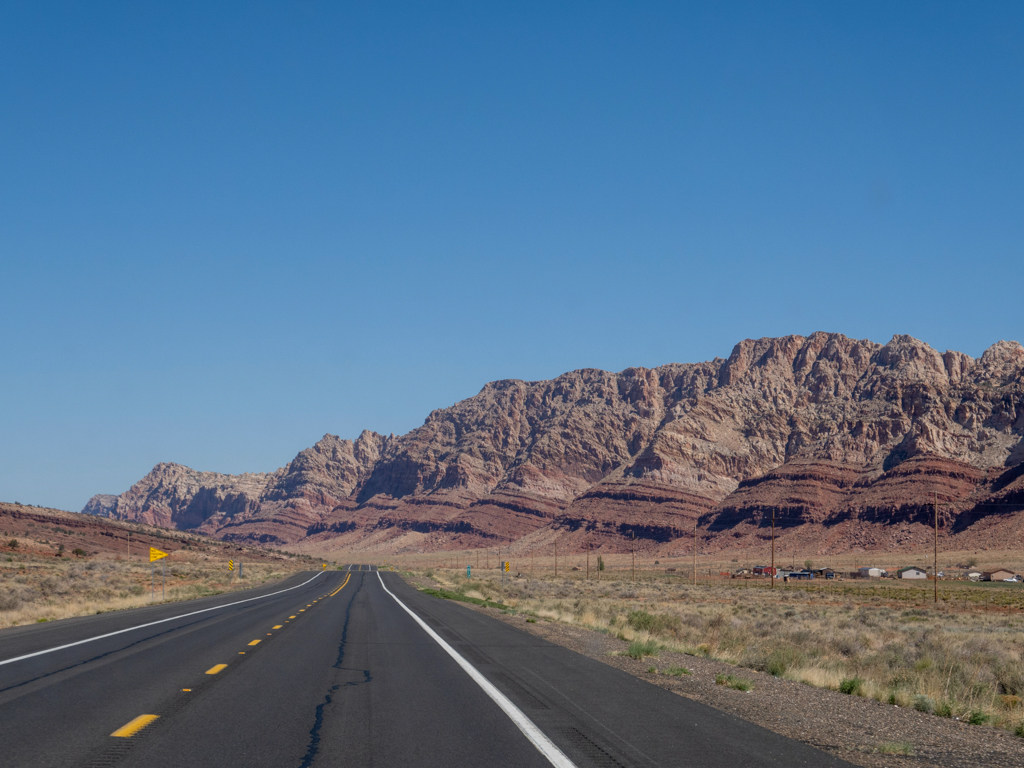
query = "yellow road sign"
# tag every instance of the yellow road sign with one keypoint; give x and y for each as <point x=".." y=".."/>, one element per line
<point x="325" y="566"/>
<point x="231" y="565"/>
<point x="508" y="566"/>
<point x="156" y="554"/>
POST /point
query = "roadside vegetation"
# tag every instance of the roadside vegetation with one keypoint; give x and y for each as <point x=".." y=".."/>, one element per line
<point x="462" y="597"/>
<point x="886" y="643"/>
<point x="45" y="589"/>
<point x="56" y="564"/>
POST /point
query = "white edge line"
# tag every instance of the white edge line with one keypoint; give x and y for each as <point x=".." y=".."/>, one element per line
<point x="152" y="623"/>
<point x="536" y="736"/>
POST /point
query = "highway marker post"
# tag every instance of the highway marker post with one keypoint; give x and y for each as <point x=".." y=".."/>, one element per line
<point x="154" y="555"/>
<point x="469" y="573"/>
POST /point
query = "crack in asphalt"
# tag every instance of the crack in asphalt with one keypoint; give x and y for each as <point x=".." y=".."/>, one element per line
<point x="314" y="733"/>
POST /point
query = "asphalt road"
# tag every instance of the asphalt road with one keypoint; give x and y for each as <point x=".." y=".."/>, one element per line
<point x="349" y="668"/>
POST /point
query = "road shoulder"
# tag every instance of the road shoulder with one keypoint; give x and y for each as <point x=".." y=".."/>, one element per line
<point x="847" y="727"/>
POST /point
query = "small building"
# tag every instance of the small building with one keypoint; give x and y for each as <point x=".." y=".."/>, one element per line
<point x="911" y="573"/>
<point x="974" y="575"/>
<point x="764" y="570"/>
<point x="802" y="575"/>
<point x="999" y="574"/>
<point x="824" y="573"/>
<point x="871" y="572"/>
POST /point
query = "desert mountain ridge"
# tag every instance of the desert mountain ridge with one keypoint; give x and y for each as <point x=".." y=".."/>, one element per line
<point x="847" y="441"/>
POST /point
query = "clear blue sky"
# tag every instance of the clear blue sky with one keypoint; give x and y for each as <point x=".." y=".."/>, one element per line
<point x="228" y="228"/>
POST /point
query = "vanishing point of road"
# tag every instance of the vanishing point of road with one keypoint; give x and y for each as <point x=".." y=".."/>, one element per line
<point x="344" y="668"/>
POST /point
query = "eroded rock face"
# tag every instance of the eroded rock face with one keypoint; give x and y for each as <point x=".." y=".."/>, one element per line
<point x="174" y="496"/>
<point x="822" y="427"/>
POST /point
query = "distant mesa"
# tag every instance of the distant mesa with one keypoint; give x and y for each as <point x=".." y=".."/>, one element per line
<point x="845" y="440"/>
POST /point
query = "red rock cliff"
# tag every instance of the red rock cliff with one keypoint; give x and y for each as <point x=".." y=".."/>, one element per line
<point x="819" y="428"/>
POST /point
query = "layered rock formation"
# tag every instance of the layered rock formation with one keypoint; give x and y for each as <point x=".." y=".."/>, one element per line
<point x="822" y="429"/>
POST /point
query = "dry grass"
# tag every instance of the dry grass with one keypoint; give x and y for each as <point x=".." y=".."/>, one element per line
<point x="45" y="589"/>
<point x="944" y="660"/>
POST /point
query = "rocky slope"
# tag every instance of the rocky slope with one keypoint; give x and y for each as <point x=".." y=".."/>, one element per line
<point x="823" y="430"/>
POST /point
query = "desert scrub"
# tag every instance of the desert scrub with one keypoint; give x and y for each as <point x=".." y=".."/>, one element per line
<point x="924" y="704"/>
<point x="867" y="640"/>
<point x="638" y="649"/>
<point x="655" y="624"/>
<point x="896" y="748"/>
<point x="853" y="686"/>
<point x="461" y="596"/>
<point x="731" y="681"/>
<point x="51" y="588"/>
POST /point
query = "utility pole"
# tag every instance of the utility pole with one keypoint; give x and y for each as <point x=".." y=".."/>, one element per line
<point x="129" y="545"/>
<point x="772" y="574"/>
<point x="556" y="557"/>
<point x="935" y="553"/>
<point x="588" y="562"/>
<point x="633" y="548"/>
<point x="695" y="553"/>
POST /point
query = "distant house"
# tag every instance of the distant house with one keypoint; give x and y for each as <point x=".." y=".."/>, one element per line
<point x="870" y="572"/>
<point x="974" y="575"/>
<point x="805" y="575"/>
<point x="763" y="570"/>
<point x="911" y="573"/>
<point x="824" y="573"/>
<point x="999" y="574"/>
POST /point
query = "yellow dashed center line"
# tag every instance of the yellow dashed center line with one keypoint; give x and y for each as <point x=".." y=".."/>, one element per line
<point x="142" y="721"/>
<point x="347" y="577"/>
<point x="133" y="727"/>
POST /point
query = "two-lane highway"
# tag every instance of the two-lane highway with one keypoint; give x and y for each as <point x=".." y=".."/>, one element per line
<point x="350" y="667"/>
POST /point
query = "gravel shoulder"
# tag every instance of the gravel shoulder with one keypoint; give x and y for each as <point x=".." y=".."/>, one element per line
<point x="848" y="727"/>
